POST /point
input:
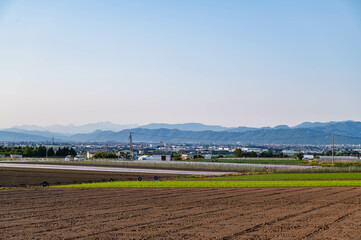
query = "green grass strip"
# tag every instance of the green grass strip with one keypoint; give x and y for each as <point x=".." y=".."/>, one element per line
<point x="292" y="176"/>
<point x="214" y="184"/>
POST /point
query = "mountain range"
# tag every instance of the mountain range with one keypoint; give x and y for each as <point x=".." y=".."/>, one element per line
<point x="346" y="132"/>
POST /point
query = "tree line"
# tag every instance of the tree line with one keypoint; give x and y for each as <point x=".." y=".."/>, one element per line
<point x="105" y="155"/>
<point x="39" y="151"/>
<point x="269" y="154"/>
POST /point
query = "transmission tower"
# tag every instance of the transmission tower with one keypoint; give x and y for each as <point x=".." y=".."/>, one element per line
<point x="131" y="146"/>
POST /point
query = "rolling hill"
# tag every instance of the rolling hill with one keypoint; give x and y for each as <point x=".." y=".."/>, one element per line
<point x="348" y="132"/>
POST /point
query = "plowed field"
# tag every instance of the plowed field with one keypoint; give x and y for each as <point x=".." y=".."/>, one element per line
<point x="126" y="213"/>
<point x="21" y="177"/>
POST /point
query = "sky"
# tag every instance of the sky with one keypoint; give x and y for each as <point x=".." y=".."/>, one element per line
<point x="231" y="63"/>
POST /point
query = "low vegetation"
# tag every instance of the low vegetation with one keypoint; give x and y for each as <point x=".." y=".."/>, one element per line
<point x="215" y="184"/>
<point x="39" y="151"/>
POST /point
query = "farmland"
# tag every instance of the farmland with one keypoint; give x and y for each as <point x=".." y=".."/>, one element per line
<point x="215" y="184"/>
<point x="192" y="213"/>
<point x="243" y="206"/>
<point x="236" y="181"/>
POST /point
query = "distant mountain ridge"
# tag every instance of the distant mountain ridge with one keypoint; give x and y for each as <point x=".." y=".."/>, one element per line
<point x="346" y="132"/>
<point x="186" y="127"/>
<point x="73" y="129"/>
<point x="109" y="126"/>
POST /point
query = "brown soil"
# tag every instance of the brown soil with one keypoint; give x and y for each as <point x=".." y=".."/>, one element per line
<point x="244" y="213"/>
<point x="21" y="177"/>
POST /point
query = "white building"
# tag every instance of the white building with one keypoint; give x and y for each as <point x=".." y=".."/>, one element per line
<point x="162" y="157"/>
<point x="207" y="156"/>
<point x="308" y="157"/>
<point x="90" y="154"/>
<point x="16" y="156"/>
<point x="145" y="157"/>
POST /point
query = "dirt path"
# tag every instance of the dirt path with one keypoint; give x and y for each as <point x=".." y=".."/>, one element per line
<point x="245" y="213"/>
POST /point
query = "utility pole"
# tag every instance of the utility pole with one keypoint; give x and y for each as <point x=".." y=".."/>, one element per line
<point x="333" y="147"/>
<point x="131" y="145"/>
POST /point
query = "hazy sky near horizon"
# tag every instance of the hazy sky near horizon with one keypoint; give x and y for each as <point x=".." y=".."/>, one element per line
<point x="232" y="63"/>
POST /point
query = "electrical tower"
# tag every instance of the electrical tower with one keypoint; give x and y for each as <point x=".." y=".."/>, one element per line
<point x="131" y="146"/>
<point x="333" y="148"/>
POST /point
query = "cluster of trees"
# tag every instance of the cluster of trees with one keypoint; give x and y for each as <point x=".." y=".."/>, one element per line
<point x="239" y="153"/>
<point x="39" y="151"/>
<point x="177" y="156"/>
<point x="105" y="155"/>
<point x="344" y="153"/>
<point x="13" y="150"/>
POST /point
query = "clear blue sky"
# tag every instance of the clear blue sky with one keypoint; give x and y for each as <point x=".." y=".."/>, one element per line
<point x="232" y="63"/>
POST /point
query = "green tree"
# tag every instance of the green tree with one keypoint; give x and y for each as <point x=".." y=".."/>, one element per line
<point x="300" y="155"/>
<point x="62" y="152"/>
<point x="28" y="152"/>
<point x="238" y="152"/>
<point x="51" y="152"/>
<point x="41" y="151"/>
<point x="72" y="152"/>
<point x="177" y="157"/>
<point x="266" y="154"/>
<point x="105" y="155"/>
<point x="251" y="154"/>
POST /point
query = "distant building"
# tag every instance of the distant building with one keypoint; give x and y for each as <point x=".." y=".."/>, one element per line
<point x="16" y="156"/>
<point x="2" y="155"/>
<point x="207" y="156"/>
<point x="257" y="150"/>
<point x="90" y="154"/>
<point x="145" y="157"/>
<point x="339" y="158"/>
<point x="127" y="152"/>
<point x="308" y="157"/>
<point x="187" y="156"/>
<point x="289" y="152"/>
<point x="162" y="157"/>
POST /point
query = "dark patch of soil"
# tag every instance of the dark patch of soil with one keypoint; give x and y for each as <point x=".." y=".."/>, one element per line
<point x="22" y="177"/>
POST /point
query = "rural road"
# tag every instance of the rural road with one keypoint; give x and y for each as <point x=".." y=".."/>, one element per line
<point x="110" y="169"/>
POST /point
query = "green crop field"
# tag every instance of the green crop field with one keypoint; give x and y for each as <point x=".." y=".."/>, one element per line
<point x="291" y="176"/>
<point x="215" y="184"/>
